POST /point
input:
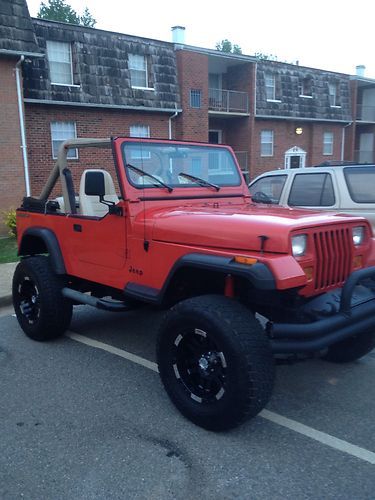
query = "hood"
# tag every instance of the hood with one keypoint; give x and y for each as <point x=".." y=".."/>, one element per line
<point x="237" y="228"/>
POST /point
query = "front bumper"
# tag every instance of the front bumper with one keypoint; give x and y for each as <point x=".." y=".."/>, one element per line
<point x="352" y="313"/>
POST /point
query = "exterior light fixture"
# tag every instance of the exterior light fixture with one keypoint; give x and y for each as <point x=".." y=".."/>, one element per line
<point x="299" y="130"/>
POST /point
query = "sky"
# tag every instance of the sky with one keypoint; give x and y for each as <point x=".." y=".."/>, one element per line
<point x="327" y="34"/>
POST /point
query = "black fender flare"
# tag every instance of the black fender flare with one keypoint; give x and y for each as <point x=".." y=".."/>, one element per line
<point x="259" y="275"/>
<point x="30" y="245"/>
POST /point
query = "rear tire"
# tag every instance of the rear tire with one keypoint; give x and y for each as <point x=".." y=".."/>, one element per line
<point x="351" y="349"/>
<point x="215" y="361"/>
<point x="42" y="311"/>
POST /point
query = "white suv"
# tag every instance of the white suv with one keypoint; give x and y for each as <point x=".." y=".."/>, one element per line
<point x="347" y="189"/>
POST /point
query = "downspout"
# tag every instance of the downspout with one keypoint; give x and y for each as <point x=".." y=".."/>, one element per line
<point x="255" y="88"/>
<point x="170" y="124"/>
<point x="252" y="121"/>
<point x="22" y="125"/>
<point x="343" y="140"/>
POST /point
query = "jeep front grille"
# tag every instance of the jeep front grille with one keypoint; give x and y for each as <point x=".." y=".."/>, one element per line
<point x="334" y="257"/>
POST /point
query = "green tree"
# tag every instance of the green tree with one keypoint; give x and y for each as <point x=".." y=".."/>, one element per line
<point x="265" y="57"/>
<point x="226" y="46"/>
<point x="59" y="10"/>
<point x="87" y="19"/>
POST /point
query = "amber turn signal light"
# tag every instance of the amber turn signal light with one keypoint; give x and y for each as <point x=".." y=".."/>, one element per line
<point x="309" y="273"/>
<point x="357" y="261"/>
<point x="249" y="261"/>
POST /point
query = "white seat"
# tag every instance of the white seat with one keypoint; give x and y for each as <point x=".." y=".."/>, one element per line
<point x="91" y="205"/>
<point x="61" y="202"/>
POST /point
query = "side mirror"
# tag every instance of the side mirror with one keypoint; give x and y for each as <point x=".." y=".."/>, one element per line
<point x="94" y="184"/>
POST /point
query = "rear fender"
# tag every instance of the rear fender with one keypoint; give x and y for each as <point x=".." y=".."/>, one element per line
<point x="39" y="240"/>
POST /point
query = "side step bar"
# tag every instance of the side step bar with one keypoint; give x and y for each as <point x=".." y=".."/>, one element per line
<point x="105" y="304"/>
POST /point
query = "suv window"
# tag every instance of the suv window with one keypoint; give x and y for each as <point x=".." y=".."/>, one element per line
<point x="272" y="186"/>
<point x="361" y="182"/>
<point x="312" y="190"/>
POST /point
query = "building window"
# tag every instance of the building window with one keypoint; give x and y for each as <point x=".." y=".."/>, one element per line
<point x="334" y="95"/>
<point x="139" y="131"/>
<point x="270" y="87"/>
<point x="62" y="131"/>
<point x="266" y="143"/>
<point x="138" y="71"/>
<point x="305" y="87"/>
<point x="328" y="143"/>
<point x="195" y="98"/>
<point x="60" y="62"/>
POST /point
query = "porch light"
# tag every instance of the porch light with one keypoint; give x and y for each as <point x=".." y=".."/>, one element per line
<point x="299" y="130"/>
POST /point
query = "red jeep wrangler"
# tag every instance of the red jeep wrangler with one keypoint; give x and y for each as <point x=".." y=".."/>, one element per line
<point x="245" y="284"/>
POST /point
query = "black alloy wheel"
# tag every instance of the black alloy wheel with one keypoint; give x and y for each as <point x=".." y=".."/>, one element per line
<point x="215" y="361"/>
<point x="42" y="311"/>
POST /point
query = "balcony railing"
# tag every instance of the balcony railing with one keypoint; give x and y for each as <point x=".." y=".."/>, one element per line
<point x="228" y="101"/>
<point x="366" y="113"/>
<point x="364" y="156"/>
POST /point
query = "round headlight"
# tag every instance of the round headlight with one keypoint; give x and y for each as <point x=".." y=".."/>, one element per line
<point x="299" y="245"/>
<point x="358" y="235"/>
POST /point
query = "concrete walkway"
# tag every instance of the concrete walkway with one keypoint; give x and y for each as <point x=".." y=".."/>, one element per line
<point x="6" y="276"/>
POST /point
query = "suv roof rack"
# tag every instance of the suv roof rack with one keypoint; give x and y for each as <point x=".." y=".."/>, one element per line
<point x="343" y="163"/>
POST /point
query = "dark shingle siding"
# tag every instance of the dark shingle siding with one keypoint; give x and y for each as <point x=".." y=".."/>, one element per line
<point x="100" y="68"/>
<point x="16" y="29"/>
<point x="288" y="78"/>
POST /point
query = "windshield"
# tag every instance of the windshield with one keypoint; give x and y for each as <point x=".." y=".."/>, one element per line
<point x="213" y="166"/>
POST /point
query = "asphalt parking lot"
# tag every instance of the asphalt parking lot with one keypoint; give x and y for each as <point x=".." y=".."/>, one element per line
<point x="86" y="417"/>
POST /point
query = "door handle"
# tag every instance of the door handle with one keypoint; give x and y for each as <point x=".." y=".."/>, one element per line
<point x="77" y="228"/>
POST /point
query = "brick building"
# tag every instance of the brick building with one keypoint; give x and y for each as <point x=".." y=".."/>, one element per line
<point x="17" y="41"/>
<point x="85" y="82"/>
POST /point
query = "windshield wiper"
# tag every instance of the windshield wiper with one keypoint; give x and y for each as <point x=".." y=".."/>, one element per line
<point x="142" y="173"/>
<point x="199" y="180"/>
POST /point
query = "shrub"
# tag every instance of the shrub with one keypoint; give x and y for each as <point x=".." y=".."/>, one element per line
<point x="10" y="221"/>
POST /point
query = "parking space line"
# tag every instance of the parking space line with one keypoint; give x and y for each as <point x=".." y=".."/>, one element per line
<point x="305" y="430"/>
<point x="113" y="350"/>
<point x="322" y="437"/>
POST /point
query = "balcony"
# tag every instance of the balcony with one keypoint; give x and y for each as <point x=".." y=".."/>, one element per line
<point x="228" y="102"/>
<point x="365" y="113"/>
<point x="364" y="156"/>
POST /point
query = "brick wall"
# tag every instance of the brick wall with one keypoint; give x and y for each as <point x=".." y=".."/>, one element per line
<point x="12" y="184"/>
<point x="192" y="70"/>
<point x="90" y="122"/>
<point x="311" y="141"/>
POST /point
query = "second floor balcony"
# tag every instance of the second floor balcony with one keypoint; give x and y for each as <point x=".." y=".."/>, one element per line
<point x="228" y="102"/>
<point x="366" y="113"/>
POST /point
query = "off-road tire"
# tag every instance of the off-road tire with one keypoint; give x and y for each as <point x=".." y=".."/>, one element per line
<point x="42" y="311"/>
<point x="215" y="334"/>
<point x="351" y="349"/>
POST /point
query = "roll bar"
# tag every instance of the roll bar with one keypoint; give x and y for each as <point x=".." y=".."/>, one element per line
<point x="61" y="164"/>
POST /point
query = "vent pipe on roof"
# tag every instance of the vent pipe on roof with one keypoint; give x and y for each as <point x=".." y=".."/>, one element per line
<point x="360" y="70"/>
<point x="178" y="34"/>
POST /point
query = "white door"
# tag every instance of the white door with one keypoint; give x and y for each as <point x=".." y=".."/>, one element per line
<point x="295" y="158"/>
<point x="366" y="148"/>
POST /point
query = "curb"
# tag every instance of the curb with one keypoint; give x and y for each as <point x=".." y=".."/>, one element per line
<point x="6" y="300"/>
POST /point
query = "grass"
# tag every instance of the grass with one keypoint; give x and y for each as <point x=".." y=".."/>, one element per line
<point x="8" y="250"/>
